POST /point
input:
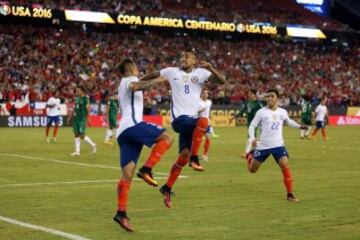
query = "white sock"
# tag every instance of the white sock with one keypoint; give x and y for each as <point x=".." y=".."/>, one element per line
<point x="77" y="144"/>
<point x="89" y="141"/>
<point x="308" y="131"/>
<point x="302" y="132"/>
<point x="108" y="135"/>
<point x="248" y="146"/>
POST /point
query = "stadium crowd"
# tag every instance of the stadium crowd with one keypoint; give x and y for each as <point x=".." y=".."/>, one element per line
<point x="39" y="61"/>
<point x="278" y="12"/>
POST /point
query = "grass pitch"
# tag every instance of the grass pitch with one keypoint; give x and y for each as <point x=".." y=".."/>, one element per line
<point x="39" y="186"/>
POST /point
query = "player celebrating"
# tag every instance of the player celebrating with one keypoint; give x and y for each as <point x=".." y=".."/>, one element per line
<point x="271" y="119"/>
<point x="112" y="110"/>
<point x="321" y="112"/>
<point x="205" y="106"/>
<point x="53" y="113"/>
<point x="250" y="108"/>
<point x="306" y="114"/>
<point x="80" y="113"/>
<point x="133" y="133"/>
<point x="186" y="83"/>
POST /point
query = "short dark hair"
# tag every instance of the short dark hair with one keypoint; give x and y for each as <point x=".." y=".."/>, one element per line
<point x="272" y="90"/>
<point x="190" y="50"/>
<point x="123" y="65"/>
<point x="253" y="91"/>
<point x="82" y="88"/>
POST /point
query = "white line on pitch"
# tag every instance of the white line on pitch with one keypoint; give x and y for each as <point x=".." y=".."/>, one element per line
<point x="72" y="182"/>
<point x="67" y="162"/>
<point x="43" y="229"/>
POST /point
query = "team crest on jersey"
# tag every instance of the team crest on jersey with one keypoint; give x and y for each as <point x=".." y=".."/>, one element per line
<point x="185" y="78"/>
<point x="194" y="79"/>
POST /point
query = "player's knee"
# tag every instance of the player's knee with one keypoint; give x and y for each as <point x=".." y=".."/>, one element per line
<point x="168" y="138"/>
<point x="185" y="154"/>
<point x="128" y="175"/>
<point x="203" y="123"/>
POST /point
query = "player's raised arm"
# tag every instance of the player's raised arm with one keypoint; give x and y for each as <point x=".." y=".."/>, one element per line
<point x="150" y="76"/>
<point x="140" y="86"/>
<point x="215" y="76"/>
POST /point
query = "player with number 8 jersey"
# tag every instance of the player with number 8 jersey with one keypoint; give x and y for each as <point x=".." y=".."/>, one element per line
<point x="186" y="83"/>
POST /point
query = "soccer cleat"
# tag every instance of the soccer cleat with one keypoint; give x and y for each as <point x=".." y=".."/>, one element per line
<point x="194" y="164"/>
<point x="145" y="174"/>
<point x="215" y="135"/>
<point x="94" y="149"/>
<point x="290" y="197"/>
<point x="47" y="140"/>
<point x="108" y="143"/>
<point x="75" y="154"/>
<point x="123" y="221"/>
<point x="243" y="155"/>
<point x="53" y="140"/>
<point x="166" y="192"/>
<point x="205" y="158"/>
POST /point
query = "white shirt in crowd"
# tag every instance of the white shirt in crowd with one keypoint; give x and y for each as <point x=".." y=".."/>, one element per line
<point x="321" y="111"/>
<point x="204" y="110"/>
<point x="131" y="104"/>
<point x="55" y="110"/>
<point x="185" y="90"/>
<point x="271" y="126"/>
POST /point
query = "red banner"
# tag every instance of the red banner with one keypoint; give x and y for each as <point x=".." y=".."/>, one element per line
<point x="100" y="120"/>
<point x="344" y="120"/>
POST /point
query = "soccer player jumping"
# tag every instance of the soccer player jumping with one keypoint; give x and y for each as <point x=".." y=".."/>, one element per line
<point x="271" y="119"/>
<point x="186" y="83"/>
<point x="133" y="133"/>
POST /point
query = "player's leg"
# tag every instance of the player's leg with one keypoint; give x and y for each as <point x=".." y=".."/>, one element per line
<point x="318" y="126"/>
<point x="206" y="146"/>
<point x="281" y="157"/>
<point x="160" y="140"/>
<point x="302" y="133"/>
<point x="200" y="129"/>
<point x="123" y="189"/>
<point x="175" y="171"/>
<point x="308" y="131"/>
<point x="56" y="128"/>
<point x="323" y="131"/>
<point x="77" y="139"/>
<point x="255" y="159"/>
<point x="129" y="155"/>
<point x="109" y="132"/>
<point x="87" y="139"/>
<point x="48" y="125"/>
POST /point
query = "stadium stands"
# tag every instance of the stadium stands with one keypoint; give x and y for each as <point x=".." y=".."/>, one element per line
<point x="278" y="12"/>
<point x="39" y="60"/>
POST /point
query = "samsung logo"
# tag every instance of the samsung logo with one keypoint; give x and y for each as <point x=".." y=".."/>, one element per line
<point x="29" y="121"/>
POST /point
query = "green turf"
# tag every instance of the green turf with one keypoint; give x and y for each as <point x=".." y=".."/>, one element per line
<point x="225" y="202"/>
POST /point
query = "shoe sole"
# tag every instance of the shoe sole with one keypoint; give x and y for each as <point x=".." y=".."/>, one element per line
<point x="293" y="200"/>
<point x="149" y="181"/>
<point x="197" y="168"/>
<point x="128" y="229"/>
